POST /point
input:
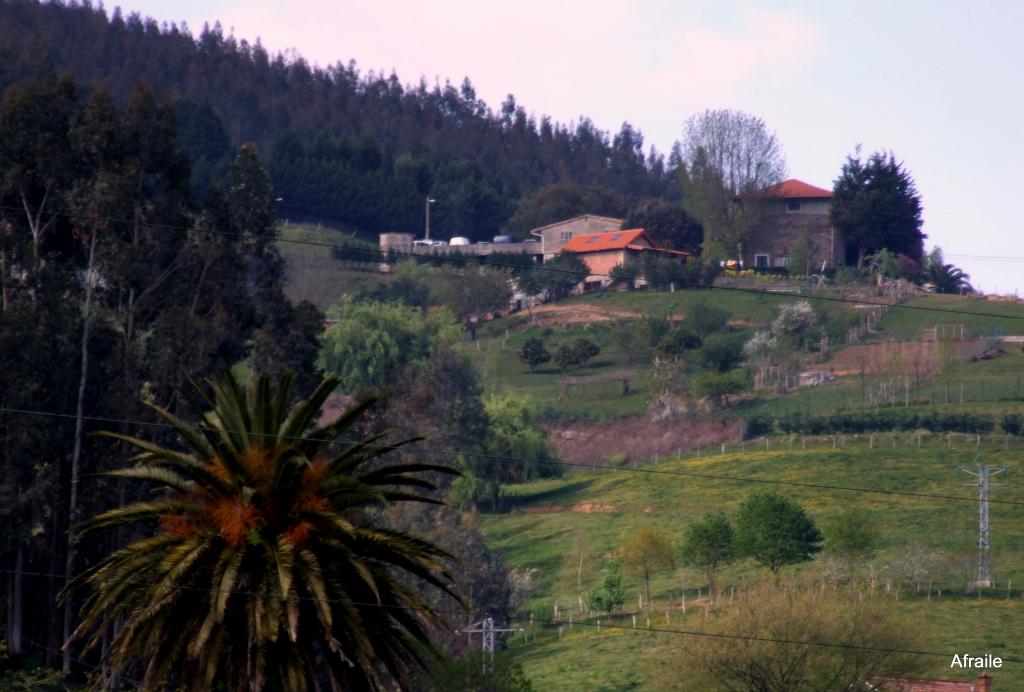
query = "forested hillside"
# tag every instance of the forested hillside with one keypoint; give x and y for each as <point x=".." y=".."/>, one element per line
<point x="358" y="148"/>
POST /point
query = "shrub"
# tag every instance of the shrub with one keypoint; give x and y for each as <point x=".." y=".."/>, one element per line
<point x="758" y="425"/>
<point x="706" y="319"/>
<point x="1013" y="423"/>
<point x="721" y="352"/>
<point x="585" y="349"/>
<point x="533" y="353"/>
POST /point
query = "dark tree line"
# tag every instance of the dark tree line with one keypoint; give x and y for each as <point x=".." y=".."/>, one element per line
<point x="116" y="284"/>
<point x="119" y="282"/>
<point x="357" y="148"/>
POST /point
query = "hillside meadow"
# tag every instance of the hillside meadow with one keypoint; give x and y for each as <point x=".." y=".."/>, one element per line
<point x="603" y="508"/>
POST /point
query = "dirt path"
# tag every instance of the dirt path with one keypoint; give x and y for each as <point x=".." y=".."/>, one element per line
<point x="639" y="438"/>
<point x="556" y="314"/>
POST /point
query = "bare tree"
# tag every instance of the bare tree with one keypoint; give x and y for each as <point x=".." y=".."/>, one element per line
<point x="916" y="565"/>
<point x="806" y="624"/>
<point x="729" y="157"/>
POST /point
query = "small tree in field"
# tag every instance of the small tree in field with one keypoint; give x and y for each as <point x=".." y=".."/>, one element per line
<point x="851" y="538"/>
<point x="533" y="353"/>
<point x="608" y="595"/>
<point x="775" y="531"/>
<point x="584" y="350"/>
<point x="708" y="545"/>
<point x="720" y="385"/>
<point x="647" y="552"/>
<point x="795" y="320"/>
<point x="565" y="357"/>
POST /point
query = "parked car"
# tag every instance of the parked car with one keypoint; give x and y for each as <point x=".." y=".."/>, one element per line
<point x="503" y="239"/>
<point x="459" y="240"/>
<point x="428" y="243"/>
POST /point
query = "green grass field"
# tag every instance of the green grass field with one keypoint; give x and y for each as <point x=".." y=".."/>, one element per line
<point x="908" y="323"/>
<point x="312" y="274"/>
<point x="501" y="339"/>
<point x="533" y="538"/>
<point x="991" y="386"/>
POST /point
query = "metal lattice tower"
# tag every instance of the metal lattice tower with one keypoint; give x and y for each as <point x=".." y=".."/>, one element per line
<point x="983" y="474"/>
<point x="487" y="629"/>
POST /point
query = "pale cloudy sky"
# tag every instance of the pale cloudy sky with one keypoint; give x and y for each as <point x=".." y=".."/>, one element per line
<point x="938" y="83"/>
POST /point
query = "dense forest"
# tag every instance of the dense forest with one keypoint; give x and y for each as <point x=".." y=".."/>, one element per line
<point x="358" y="149"/>
<point x="119" y="283"/>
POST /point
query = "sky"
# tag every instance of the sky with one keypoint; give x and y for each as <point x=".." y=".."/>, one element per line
<point x="936" y="83"/>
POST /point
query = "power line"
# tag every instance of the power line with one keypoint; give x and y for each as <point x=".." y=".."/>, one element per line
<point x="546" y="622"/>
<point x="460" y="259"/>
<point x="754" y="638"/>
<point x="507" y="458"/>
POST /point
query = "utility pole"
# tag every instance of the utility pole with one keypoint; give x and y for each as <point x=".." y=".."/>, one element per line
<point x="426" y="230"/>
<point x="487" y="629"/>
<point x="983" y="474"/>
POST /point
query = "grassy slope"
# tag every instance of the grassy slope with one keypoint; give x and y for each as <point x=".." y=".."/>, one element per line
<point x="540" y="540"/>
<point x="909" y="323"/>
<point x="987" y="385"/>
<point x="503" y="371"/>
<point x="313" y="274"/>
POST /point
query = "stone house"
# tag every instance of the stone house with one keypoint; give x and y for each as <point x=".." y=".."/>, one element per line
<point x="555" y="235"/>
<point x="795" y="212"/>
<point x="602" y="252"/>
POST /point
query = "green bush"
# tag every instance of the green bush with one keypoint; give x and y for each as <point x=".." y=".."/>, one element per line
<point x="1013" y="423"/>
<point x="618" y="460"/>
<point x="854" y="423"/>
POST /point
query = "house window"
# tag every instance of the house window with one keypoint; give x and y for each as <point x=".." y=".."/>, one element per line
<point x="565" y="235"/>
<point x="782" y="261"/>
<point x="792" y="205"/>
<point x="761" y="261"/>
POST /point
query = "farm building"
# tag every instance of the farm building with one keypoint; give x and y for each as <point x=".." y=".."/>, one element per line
<point x="602" y="252"/>
<point x="555" y="235"/>
<point x="796" y="213"/>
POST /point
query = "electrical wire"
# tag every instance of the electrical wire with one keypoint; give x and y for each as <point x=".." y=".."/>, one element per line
<point x="544" y="623"/>
<point x="508" y="458"/>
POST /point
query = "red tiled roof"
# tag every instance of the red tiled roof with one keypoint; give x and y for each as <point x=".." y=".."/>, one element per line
<point x="795" y="189"/>
<point x="613" y="240"/>
<point x="659" y="250"/>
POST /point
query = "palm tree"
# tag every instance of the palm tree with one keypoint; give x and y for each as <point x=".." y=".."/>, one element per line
<point x="948" y="278"/>
<point x="266" y="570"/>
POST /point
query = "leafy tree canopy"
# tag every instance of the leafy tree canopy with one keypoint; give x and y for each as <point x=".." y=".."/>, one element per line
<point x="775" y="531"/>
<point x="564" y="200"/>
<point x="667" y="223"/>
<point x="875" y="205"/>
<point x="708" y="544"/>
<point x="370" y="342"/>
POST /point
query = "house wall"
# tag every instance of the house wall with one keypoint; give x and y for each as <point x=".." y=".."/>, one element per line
<point x="807" y="206"/>
<point x="781" y="232"/>
<point x="555" y="236"/>
<point x="602" y="263"/>
<point x="400" y="242"/>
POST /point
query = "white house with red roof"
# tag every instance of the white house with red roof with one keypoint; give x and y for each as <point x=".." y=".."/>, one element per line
<point x="796" y="214"/>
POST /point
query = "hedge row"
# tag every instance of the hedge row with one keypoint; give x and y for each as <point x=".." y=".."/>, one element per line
<point x="846" y="422"/>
